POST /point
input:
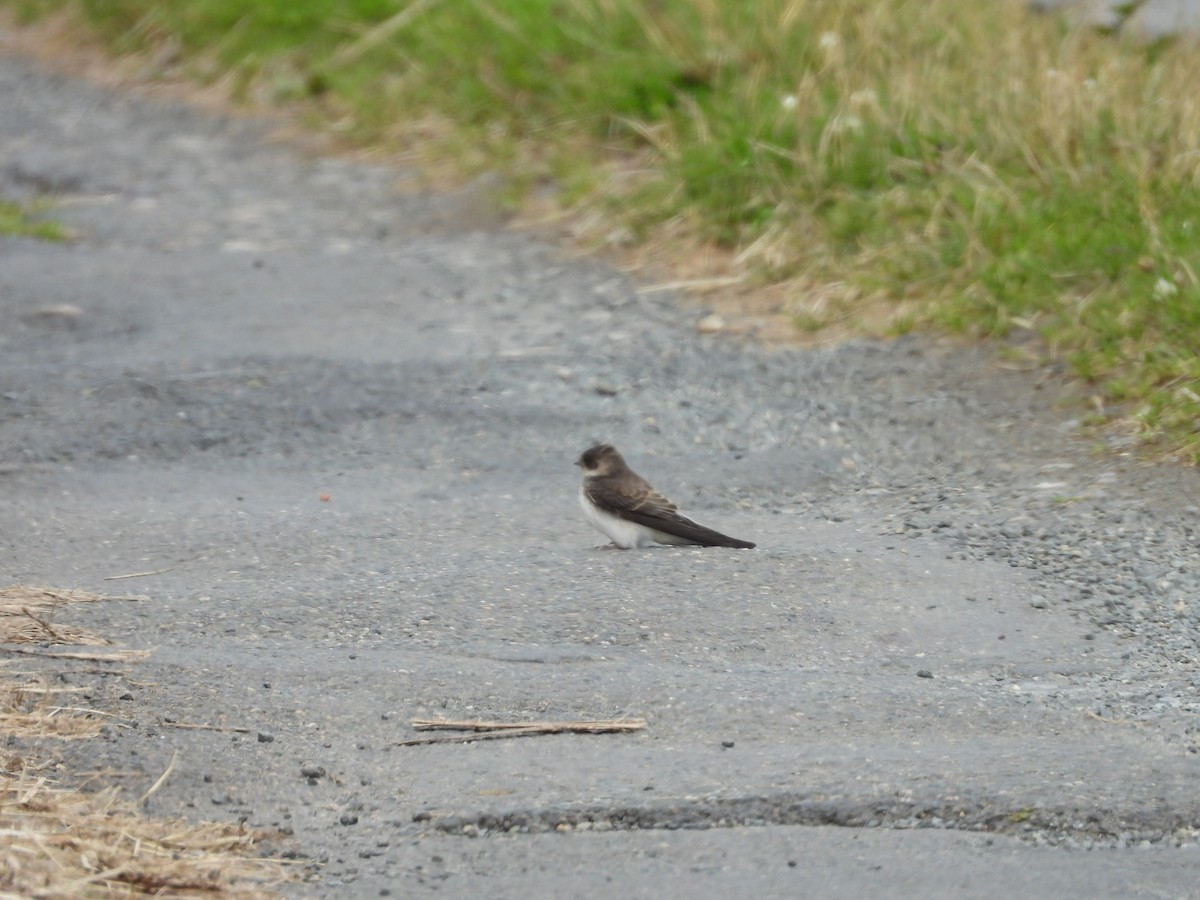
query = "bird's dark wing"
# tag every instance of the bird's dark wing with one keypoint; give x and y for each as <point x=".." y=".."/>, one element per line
<point x="637" y="501"/>
<point x="624" y="494"/>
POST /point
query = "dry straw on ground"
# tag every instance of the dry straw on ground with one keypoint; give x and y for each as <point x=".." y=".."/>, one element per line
<point x="59" y="842"/>
<point x="65" y="843"/>
<point x="24" y="613"/>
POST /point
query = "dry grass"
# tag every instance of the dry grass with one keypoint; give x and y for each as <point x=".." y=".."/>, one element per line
<point x="67" y="843"/>
<point x="30" y="706"/>
<point x="57" y="841"/>
<point x="25" y="613"/>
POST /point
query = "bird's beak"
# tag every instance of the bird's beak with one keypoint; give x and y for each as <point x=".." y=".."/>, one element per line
<point x="579" y="463"/>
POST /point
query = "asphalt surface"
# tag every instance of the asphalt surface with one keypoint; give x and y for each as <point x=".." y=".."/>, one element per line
<point x="341" y="424"/>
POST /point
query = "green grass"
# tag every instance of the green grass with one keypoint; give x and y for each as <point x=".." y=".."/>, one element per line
<point x="21" y="221"/>
<point x="968" y="167"/>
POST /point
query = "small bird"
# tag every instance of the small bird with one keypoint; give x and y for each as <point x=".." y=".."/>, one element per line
<point x="624" y="506"/>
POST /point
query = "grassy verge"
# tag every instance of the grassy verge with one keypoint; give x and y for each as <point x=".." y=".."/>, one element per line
<point x="21" y="221"/>
<point x="892" y="165"/>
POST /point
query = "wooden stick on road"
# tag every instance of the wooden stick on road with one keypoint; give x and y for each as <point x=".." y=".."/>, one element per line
<point x="486" y="731"/>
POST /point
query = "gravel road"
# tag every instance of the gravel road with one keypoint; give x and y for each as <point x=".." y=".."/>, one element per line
<point x="341" y="425"/>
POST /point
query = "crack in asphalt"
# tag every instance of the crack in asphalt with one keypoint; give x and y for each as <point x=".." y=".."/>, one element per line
<point x="1062" y="826"/>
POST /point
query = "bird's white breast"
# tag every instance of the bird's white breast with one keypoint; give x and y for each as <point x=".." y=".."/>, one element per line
<point x="621" y="532"/>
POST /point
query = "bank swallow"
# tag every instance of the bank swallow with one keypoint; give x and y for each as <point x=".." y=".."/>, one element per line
<point x="624" y="506"/>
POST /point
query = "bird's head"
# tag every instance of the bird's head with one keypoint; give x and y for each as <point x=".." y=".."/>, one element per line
<point x="601" y="460"/>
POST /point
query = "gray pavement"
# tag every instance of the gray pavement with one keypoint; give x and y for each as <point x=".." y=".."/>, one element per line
<point x="1145" y="20"/>
<point x="962" y="662"/>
